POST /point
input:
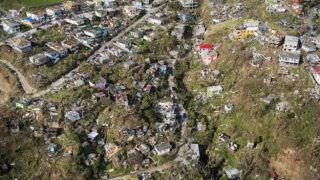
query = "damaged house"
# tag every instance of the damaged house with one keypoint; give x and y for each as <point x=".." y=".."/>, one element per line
<point x="167" y="110"/>
<point x="10" y="26"/>
<point x="290" y="54"/>
<point x="39" y="59"/>
<point x="20" y="44"/>
<point x="189" y="3"/>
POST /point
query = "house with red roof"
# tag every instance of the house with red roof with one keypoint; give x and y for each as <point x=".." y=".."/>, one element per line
<point x="207" y="53"/>
<point x="316" y="73"/>
<point x="205" y="47"/>
<point x="297" y="6"/>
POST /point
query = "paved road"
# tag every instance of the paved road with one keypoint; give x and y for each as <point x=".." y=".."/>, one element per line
<point x="24" y="83"/>
<point x="132" y="26"/>
<point x="150" y="170"/>
<point x="55" y="84"/>
<point x="62" y="80"/>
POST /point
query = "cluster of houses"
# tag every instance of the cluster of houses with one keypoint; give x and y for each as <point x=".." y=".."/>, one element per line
<point x="54" y="51"/>
<point x="295" y="49"/>
<point x="291" y="45"/>
<point x="249" y="28"/>
<point x="84" y="24"/>
<point x="189" y="3"/>
<point x="112" y="17"/>
<point x="129" y="44"/>
<point x="275" y="6"/>
<point x="223" y="12"/>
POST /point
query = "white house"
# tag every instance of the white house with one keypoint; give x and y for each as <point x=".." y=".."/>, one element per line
<point x="70" y="43"/>
<point x="189" y="3"/>
<point x="78" y="21"/>
<point x="72" y="116"/>
<point x="131" y="11"/>
<point x="20" y="44"/>
<point x="232" y="173"/>
<point x="39" y="59"/>
<point x="155" y="20"/>
<point x="123" y="44"/>
<point x="39" y="18"/>
<point x="289" y="58"/>
<point x="110" y="3"/>
<point x="214" y="90"/>
<point x="53" y="55"/>
<point x="54" y="11"/>
<point x="92" y="135"/>
<point x="95" y="32"/>
<point x="162" y="148"/>
<point x="291" y="43"/>
<point x="10" y="26"/>
<point x="62" y="51"/>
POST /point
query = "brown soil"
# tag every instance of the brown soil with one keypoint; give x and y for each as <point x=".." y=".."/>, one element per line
<point x="289" y="165"/>
<point x="8" y="85"/>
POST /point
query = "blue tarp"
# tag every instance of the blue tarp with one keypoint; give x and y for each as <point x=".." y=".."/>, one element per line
<point x="28" y="19"/>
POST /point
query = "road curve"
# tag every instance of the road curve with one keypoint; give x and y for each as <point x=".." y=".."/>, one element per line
<point x="129" y="28"/>
<point x="28" y="89"/>
<point x="150" y="170"/>
<point x="110" y="42"/>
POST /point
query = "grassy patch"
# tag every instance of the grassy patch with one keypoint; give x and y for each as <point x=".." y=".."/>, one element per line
<point x="7" y="4"/>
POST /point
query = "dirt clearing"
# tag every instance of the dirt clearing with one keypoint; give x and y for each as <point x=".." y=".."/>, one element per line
<point x="291" y="166"/>
<point x="8" y="85"/>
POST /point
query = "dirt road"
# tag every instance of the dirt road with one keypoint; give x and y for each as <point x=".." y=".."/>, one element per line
<point x="151" y="170"/>
<point x="62" y="80"/>
<point x="4" y="84"/>
<point x="28" y="89"/>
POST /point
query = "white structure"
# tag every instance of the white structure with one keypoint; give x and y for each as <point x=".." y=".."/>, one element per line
<point x="39" y="59"/>
<point x="131" y="11"/>
<point x="39" y="18"/>
<point x="95" y="32"/>
<point x="282" y="106"/>
<point x="75" y="21"/>
<point x="123" y="44"/>
<point x="189" y="3"/>
<point x="214" y="90"/>
<point x="163" y="148"/>
<point x="167" y="110"/>
<point x="92" y="135"/>
<point x="289" y="58"/>
<point x="110" y="3"/>
<point x="188" y="153"/>
<point x="20" y="44"/>
<point x="232" y="173"/>
<point x="53" y="55"/>
<point x="73" y="116"/>
<point x="291" y="43"/>
<point x="228" y="108"/>
<point x="10" y="27"/>
<point x="54" y="12"/>
<point x="61" y="50"/>
<point x="155" y="20"/>
<point x="251" y="25"/>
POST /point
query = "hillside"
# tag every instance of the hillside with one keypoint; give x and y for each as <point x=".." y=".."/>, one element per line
<point x="172" y="89"/>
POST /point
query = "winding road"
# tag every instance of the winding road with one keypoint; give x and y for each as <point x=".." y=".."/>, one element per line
<point x="129" y="28"/>
<point x="23" y="81"/>
<point x="150" y="170"/>
<point x="62" y="80"/>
